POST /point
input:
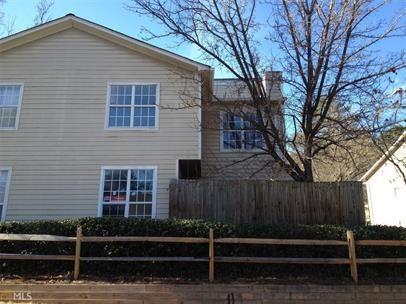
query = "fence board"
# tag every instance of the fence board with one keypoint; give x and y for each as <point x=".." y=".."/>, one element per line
<point x="212" y="258"/>
<point x="35" y="237"/>
<point x="268" y="202"/>
<point x="262" y="260"/>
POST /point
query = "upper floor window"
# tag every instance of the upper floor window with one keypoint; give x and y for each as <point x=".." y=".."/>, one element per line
<point x="10" y="104"/>
<point x="239" y="134"/>
<point x="133" y="106"/>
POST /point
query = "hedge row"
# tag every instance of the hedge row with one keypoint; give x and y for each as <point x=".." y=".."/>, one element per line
<point x="197" y="228"/>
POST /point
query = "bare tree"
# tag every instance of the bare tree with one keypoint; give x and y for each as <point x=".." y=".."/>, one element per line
<point x="328" y="56"/>
<point x="6" y="24"/>
<point x="387" y="148"/>
<point x="9" y="26"/>
<point x="43" y="8"/>
<point x="3" y="24"/>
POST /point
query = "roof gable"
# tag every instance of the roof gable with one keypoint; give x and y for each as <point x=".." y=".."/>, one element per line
<point x="71" y="21"/>
<point x="391" y="151"/>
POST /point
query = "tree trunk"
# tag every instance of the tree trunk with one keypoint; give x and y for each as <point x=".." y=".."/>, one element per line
<point x="308" y="161"/>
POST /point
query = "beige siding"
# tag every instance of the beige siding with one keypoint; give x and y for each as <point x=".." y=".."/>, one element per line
<point x="60" y="145"/>
<point x="230" y="164"/>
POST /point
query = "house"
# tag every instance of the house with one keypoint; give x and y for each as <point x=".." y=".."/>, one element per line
<point x="93" y="123"/>
<point x="225" y="144"/>
<point x="386" y="186"/>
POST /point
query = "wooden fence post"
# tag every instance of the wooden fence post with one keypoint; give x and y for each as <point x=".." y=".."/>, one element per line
<point x="77" y="253"/>
<point x="211" y="255"/>
<point x="352" y="255"/>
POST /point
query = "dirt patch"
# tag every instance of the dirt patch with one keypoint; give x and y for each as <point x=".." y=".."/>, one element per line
<point x="100" y="280"/>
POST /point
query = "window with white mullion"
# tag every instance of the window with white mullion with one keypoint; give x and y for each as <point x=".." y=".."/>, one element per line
<point x="128" y="192"/>
<point x="4" y="183"/>
<point x="10" y="103"/>
<point x="114" y="192"/>
<point x="133" y="106"/>
<point x="239" y="134"/>
<point x="127" y="197"/>
<point x="141" y="193"/>
<point x="145" y="105"/>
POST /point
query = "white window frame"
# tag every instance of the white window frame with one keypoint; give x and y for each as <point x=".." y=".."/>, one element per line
<point x="20" y="101"/>
<point x="242" y="150"/>
<point x="127" y="203"/>
<point x="131" y="127"/>
<point x="8" y="182"/>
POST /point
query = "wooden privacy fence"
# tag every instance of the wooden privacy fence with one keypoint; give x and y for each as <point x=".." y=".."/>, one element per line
<point x="268" y="202"/>
<point x="211" y="258"/>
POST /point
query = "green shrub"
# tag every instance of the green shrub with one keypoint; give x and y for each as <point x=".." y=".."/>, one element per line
<point x="196" y="228"/>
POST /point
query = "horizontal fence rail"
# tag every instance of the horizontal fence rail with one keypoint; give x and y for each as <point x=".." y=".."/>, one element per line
<point x="268" y="202"/>
<point x="211" y="258"/>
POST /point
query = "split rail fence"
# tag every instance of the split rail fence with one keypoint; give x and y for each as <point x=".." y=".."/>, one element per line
<point x="211" y="259"/>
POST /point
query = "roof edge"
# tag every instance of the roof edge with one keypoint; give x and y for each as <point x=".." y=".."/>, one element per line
<point x="72" y="21"/>
<point x="380" y="162"/>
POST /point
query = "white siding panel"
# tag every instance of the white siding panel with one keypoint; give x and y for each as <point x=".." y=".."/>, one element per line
<point x="61" y="144"/>
<point x="387" y="192"/>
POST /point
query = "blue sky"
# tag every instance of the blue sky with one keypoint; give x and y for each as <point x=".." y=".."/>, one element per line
<point x="113" y="14"/>
<point x="110" y="13"/>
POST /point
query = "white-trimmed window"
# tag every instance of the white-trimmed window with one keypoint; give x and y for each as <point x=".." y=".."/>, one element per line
<point x="128" y="192"/>
<point x="238" y="134"/>
<point x="10" y="105"/>
<point x="5" y="175"/>
<point x="133" y="106"/>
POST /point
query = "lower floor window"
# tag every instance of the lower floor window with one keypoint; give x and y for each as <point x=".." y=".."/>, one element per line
<point x="128" y="192"/>
<point x="4" y="182"/>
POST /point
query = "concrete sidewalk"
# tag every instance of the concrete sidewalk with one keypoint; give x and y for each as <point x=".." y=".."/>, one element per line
<point x="201" y="293"/>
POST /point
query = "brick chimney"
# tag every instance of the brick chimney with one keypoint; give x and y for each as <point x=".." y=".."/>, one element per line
<point x="273" y="80"/>
<point x="273" y="83"/>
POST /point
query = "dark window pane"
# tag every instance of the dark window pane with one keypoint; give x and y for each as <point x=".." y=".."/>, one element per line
<point x="115" y="185"/>
<point x="137" y="99"/>
<point x="148" y="185"/>
<point x="150" y="174"/>
<point x="114" y="90"/>
<point x="140" y="196"/>
<point x="152" y="100"/>
<point x="138" y="89"/>
<point x="141" y="174"/>
<point x="152" y="89"/>
<point x="141" y="185"/>
<point x="133" y="196"/>
<point x="106" y="196"/>
<point x="144" y="99"/>
<point x="151" y="121"/>
<point x="107" y="174"/>
<point x="140" y="210"/>
<point x="148" y="210"/>
<point x="116" y="174"/>
<point x="123" y="174"/>
<point x="112" y="210"/>
<point x="148" y="196"/>
<point x="107" y="186"/>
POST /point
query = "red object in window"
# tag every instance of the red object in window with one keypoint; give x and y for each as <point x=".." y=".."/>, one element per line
<point x="118" y="198"/>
